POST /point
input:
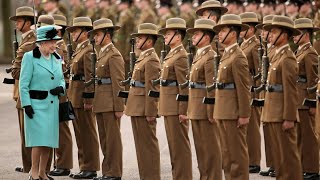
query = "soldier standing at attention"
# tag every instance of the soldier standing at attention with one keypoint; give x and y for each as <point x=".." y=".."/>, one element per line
<point x="204" y="128"/>
<point x="281" y="100"/>
<point x="232" y="109"/>
<point x="250" y="48"/>
<point x="107" y="106"/>
<point x="173" y="73"/>
<point x="81" y="98"/>
<point x="23" y="19"/>
<point x="142" y="108"/>
<point x="307" y="59"/>
<point x="64" y="160"/>
<point x="213" y="10"/>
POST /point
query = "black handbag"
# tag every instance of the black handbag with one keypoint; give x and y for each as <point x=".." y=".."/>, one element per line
<point x="66" y="112"/>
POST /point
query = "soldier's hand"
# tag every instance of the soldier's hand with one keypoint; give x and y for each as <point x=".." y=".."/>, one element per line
<point x="151" y="118"/>
<point x="183" y="118"/>
<point x="118" y="114"/>
<point x="242" y="121"/>
<point x="287" y="125"/>
<point x="87" y="106"/>
<point x="312" y="111"/>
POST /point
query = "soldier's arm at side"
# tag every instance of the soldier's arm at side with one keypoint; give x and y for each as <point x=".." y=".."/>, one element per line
<point x="290" y="94"/>
<point x="240" y="71"/>
<point x="87" y="65"/>
<point x="181" y="70"/>
<point x="25" y="78"/>
<point x="255" y="57"/>
<point x="15" y="73"/>
<point x="116" y="64"/>
<point x="209" y="74"/>
<point x="311" y="62"/>
<point x="152" y="69"/>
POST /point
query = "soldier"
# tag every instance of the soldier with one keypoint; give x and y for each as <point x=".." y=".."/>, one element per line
<point x="292" y="8"/>
<point x="205" y="130"/>
<point x="233" y="6"/>
<point x="126" y="22"/>
<point x="250" y="48"/>
<point x="306" y="10"/>
<point x="268" y="143"/>
<point x="268" y="7"/>
<point x="281" y="100"/>
<point x="64" y="160"/>
<point x="109" y="73"/>
<point x="232" y="109"/>
<point x="91" y="9"/>
<point x="81" y="99"/>
<point x="253" y="6"/>
<point x="142" y="108"/>
<point x="106" y="11"/>
<point x="213" y="10"/>
<point x="164" y="12"/>
<point x="52" y="7"/>
<point x="307" y="59"/>
<point x="147" y="14"/>
<point x="174" y="71"/>
<point x="23" y="19"/>
<point x="187" y="13"/>
<point x="77" y="9"/>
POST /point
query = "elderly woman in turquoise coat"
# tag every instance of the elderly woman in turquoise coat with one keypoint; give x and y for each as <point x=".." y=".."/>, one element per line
<point x="41" y="82"/>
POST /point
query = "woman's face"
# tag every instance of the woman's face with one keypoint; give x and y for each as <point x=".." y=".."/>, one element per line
<point x="48" y="46"/>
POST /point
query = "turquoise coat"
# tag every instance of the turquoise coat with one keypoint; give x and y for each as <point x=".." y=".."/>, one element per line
<point x="38" y="73"/>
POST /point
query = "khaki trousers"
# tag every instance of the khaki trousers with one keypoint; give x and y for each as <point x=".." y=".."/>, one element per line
<point x="111" y="144"/>
<point x="308" y="142"/>
<point x="254" y="137"/>
<point x="285" y="152"/>
<point x="268" y="146"/>
<point x="208" y="149"/>
<point x="25" y="151"/>
<point x="147" y="147"/>
<point x="234" y="150"/>
<point x="179" y="147"/>
<point x="64" y="158"/>
<point x="87" y="140"/>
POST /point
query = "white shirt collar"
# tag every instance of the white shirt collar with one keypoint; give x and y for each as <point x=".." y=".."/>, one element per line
<point x="143" y="52"/>
<point x="229" y="47"/>
<point x="179" y="46"/>
<point x="303" y="45"/>
<point x="246" y="40"/>
<point x="105" y="47"/>
<point x="280" y="48"/>
<point x="80" y="44"/>
<point x="24" y="35"/>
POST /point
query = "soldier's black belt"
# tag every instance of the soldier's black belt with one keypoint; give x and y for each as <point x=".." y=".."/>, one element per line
<point x="274" y="88"/>
<point x="302" y="79"/>
<point x="104" y="81"/>
<point x="195" y="85"/>
<point x="36" y="94"/>
<point x="8" y="81"/>
<point x="77" y="77"/>
<point x="134" y="83"/>
<point x="225" y="86"/>
<point x="168" y="83"/>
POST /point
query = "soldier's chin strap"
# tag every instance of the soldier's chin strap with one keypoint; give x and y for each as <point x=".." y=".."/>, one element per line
<point x="245" y="34"/>
<point x="24" y="23"/>
<point x="79" y="35"/>
<point x="278" y="38"/>
<point x="104" y="35"/>
<point x="200" y="39"/>
<point x="267" y="37"/>
<point x="226" y="36"/>
<point x="144" y="42"/>
<point x="304" y="32"/>
<point x="172" y="37"/>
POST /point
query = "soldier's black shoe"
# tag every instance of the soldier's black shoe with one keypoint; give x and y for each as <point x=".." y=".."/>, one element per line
<point x="273" y="174"/>
<point x="107" y="178"/>
<point x="254" y="169"/>
<point x="84" y="175"/>
<point x="19" y="169"/>
<point x="311" y="176"/>
<point x="267" y="172"/>
<point x="59" y="172"/>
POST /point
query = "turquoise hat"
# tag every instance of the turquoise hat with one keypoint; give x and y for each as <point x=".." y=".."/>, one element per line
<point x="47" y="33"/>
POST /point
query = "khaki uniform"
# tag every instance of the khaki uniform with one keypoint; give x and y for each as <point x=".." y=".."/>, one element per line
<point x="316" y="22"/>
<point x="26" y="44"/>
<point x="280" y="106"/>
<point x="140" y="105"/>
<point x="250" y="48"/>
<point x="318" y="113"/>
<point x="92" y="13"/>
<point x="109" y="64"/>
<point x="307" y="59"/>
<point x="205" y="134"/>
<point x="64" y="152"/>
<point x="189" y="18"/>
<point x="84" y="124"/>
<point x="148" y="16"/>
<point x="175" y="68"/>
<point x="108" y="13"/>
<point x="231" y="104"/>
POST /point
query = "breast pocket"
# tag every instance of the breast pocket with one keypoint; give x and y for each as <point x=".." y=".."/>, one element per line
<point x="223" y="74"/>
<point x="165" y="72"/>
<point x="137" y="74"/>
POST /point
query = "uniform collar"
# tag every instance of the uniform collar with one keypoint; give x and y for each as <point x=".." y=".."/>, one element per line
<point x="172" y="50"/>
<point x="24" y="35"/>
<point x="303" y="45"/>
<point x="82" y="43"/>
<point x="250" y="38"/>
<point x="145" y="51"/>
<point x="226" y="49"/>
<point x="199" y="51"/>
<point x="281" y="48"/>
<point x="105" y="47"/>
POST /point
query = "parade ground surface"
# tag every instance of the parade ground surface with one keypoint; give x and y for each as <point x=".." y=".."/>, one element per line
<point x="10" y="156"/>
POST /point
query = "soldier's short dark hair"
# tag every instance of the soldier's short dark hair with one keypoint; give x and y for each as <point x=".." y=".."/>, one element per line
<point x="288" y="32"/>
<point x="253" y="25"/>
<point x="215" y="13"/>
<point x="63" y="30"/>
<point x="31" y="19"/>
<point x="153" y="39"/>
<point x="210" y="34"/>
<point x="237" y="29"/>
<point x="110" y="32"/>
<point x="182" y="33"/>
<point x="86" y="29"/>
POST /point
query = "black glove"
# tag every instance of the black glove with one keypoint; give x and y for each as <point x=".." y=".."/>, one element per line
<point x="29" y="111"/>
<point x="56" y="91"/>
